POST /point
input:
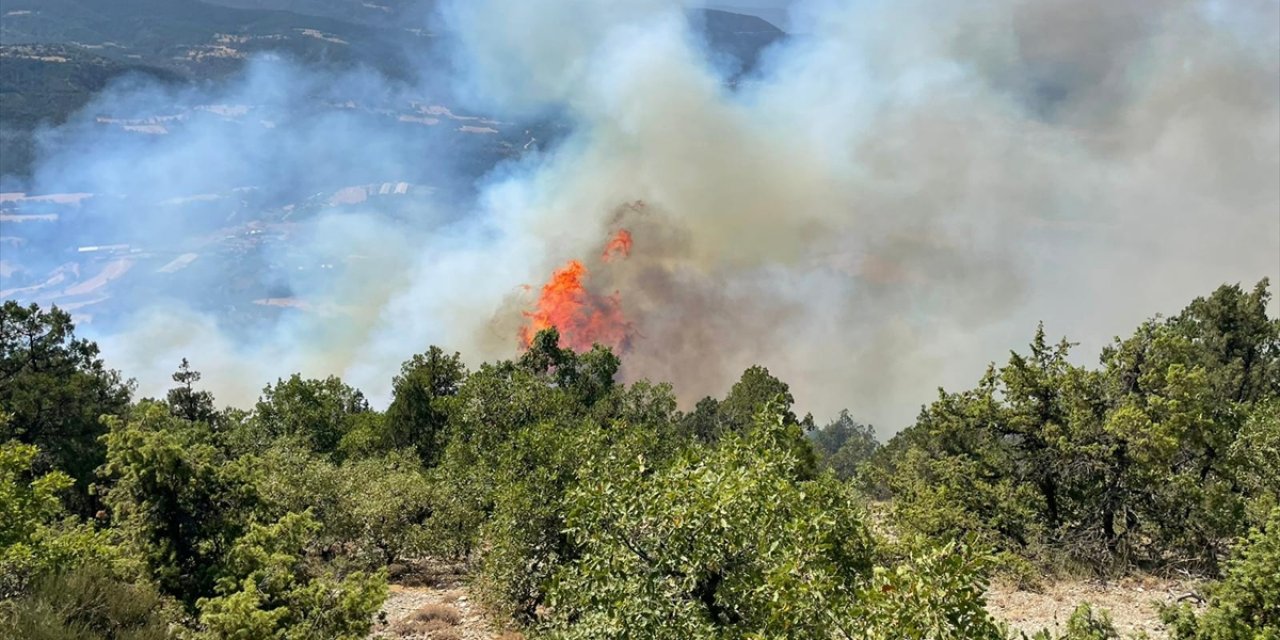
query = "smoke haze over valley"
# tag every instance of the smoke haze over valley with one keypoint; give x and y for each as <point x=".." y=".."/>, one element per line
<point x="869" y="205"/>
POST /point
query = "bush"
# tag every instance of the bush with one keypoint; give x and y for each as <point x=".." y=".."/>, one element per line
<point x="37" y="536"/>
<point x="736" y="542"/>
<point x="1245" y="605"/>
<point x="370" y="510"/>
<point x="86" y="603"/>
<point x="266" y="590"/>
<point x="1161" y="456"/>
<point x="1086" y="624"/>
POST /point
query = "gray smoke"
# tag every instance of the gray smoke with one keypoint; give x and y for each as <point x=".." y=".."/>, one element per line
<point x="893" y="199"/>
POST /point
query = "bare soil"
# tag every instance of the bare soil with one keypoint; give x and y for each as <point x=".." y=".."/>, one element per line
<point x="1133" y="603"/>
<point x="431" y="600"/>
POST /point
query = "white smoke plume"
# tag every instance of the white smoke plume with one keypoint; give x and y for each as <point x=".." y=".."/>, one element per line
<point x="894" y="198"/>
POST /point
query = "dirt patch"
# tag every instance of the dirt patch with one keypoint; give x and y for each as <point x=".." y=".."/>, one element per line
<point x="1132" y="602"/>
<point x="432" y="600"/>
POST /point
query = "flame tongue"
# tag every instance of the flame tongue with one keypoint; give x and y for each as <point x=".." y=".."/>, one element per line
<point x="619" y="246"/>
<point x="583" y="318"/>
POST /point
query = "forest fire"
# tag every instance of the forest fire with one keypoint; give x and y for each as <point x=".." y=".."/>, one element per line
<point x="582" y="317"/>
<point x="619" y="246"/>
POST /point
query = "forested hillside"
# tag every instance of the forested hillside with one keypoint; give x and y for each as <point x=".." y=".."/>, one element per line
<point x="588" y="508"/>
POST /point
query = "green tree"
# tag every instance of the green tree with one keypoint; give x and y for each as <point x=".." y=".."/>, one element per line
<point x="844" y="445"/>
<point x="1179" y="394"/>
<point x="418" y="416"/>
<point x="177" y="501"/>
<point x="56" y="389"/>
<point x="370" y="510"/>
<point x="587" y="377"/>
<point x="703" y="423"/>
<point x="185" y="401"/>
<point x="1161" y="453"/>
<point x="712" y="420"/>
<point x="751" y="393"/>
<point x="37" y="535"/>
<point x="318" y="412"/>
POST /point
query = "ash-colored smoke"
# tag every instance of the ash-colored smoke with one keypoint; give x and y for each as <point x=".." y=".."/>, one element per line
<point x="895" y="198"/>
<point x="906" y="188"/>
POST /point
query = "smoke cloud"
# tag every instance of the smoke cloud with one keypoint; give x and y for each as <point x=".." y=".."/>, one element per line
<point x="893" y="198"/>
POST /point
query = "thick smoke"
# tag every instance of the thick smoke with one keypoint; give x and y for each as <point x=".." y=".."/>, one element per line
<point x="896" y="196"/>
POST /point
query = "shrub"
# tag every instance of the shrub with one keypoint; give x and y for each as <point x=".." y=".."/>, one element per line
<point x="86" y="603"/>
<point x="266" y="590"/>
<point x="1087" y="624"/>
<point x="435" y="620"/>
<point x="1161" y="456"/>
<point x="176" y="500"/>
<point x="736" y="542"/>
<point x="370" y="509"/>
<point x="37" y="536"/>
<point x="1245" y="605"/>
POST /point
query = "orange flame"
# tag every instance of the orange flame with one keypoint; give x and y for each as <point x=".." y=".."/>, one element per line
<point x="583" y="318"/>
<point x="618" y="246"/>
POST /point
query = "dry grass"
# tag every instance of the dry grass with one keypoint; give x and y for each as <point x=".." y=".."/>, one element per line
<point x="1132" y="602"/>
<point x="432" y="620"/>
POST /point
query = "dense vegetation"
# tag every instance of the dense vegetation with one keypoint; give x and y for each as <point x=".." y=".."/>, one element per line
<point x="593" y="509"/>
<point x="1155" y="460"/>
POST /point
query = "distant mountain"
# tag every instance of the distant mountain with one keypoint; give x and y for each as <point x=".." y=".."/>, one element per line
<point x="57" y="53"/>
<point x="736" y="38"/>
<point x="197" y="37"/>
<point x="49" y="82"/>
<point x="378" y="13"/>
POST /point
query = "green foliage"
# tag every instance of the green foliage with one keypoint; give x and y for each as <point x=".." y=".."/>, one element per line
<point x="86" y="603"/>
<point x="712" y="420"/>
<point x="519" y="433"/>
<point x="176" y="500"/>
<point x="418" y="416"/>
<point x="370" y="510"/>
<point x="319" y="412"/>
<point x="55" y="389"/>
<point x="1245" y="605"/>
<point x="585" y="377"/>
<point x="37" y="536"/>
<point x="735" y="542"/>
<point x="495" y="404"/>
<point x="185" y="401"/>
<point x="266" y="590"/>
<point x="1162" y="454"/>
<point x="594" y="509"/>
<point x="1257" y="452"/>
<point x="1086" y="624"/>
<point x="843" y="446"/>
